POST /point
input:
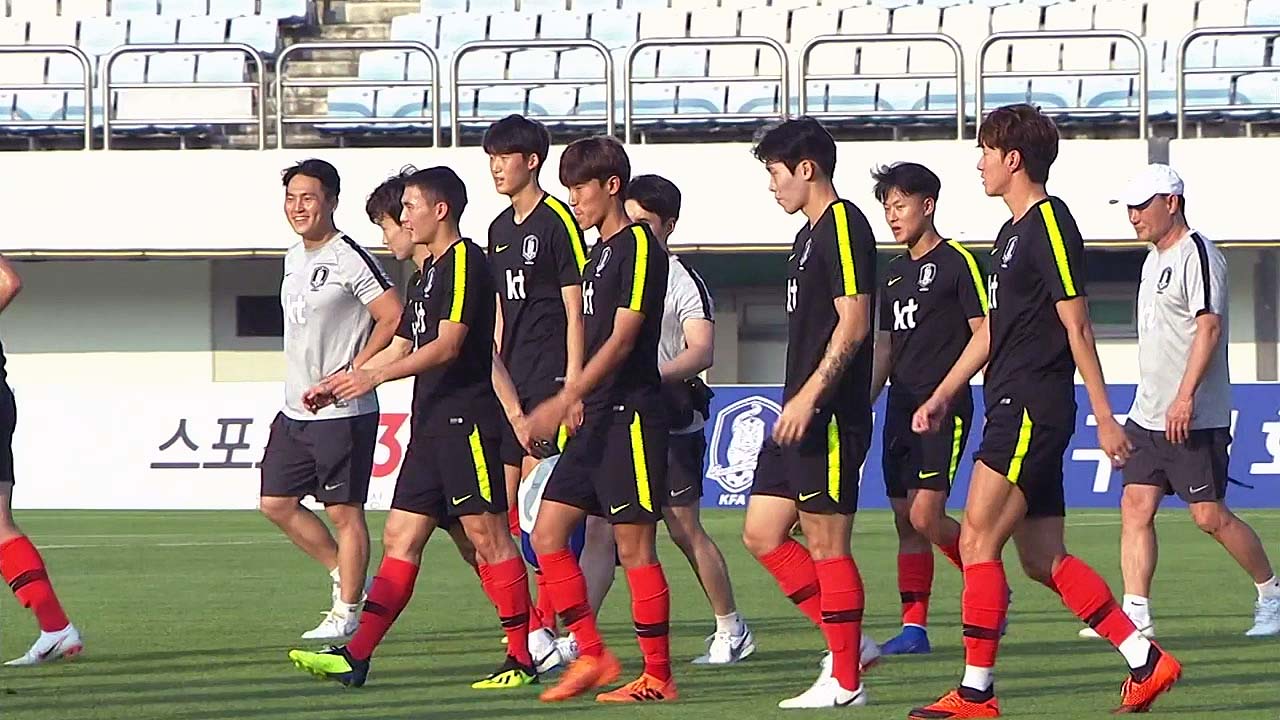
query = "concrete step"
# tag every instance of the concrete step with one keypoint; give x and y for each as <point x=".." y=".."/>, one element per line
<point x="379" y="12"/>
<point x="322" y="68"/>
<point x="351" y="31"/>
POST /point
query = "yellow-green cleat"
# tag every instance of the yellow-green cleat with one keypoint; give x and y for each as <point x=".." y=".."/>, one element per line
<point x="334" y="664"/>
<point x="513" y="674"/>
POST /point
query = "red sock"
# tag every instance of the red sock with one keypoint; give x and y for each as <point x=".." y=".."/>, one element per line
<point x="513" y="520"/>
<point x="842" y="602"/>
<point x="915" y="580"/>
<point x="984" y="603"/>
<point x="568" y="592"/>
<point x="22" y="567"/>
<point x="1086" y="594"/>
<point x="651" y="611"/>
<point x="544" y="613"/>
<point x="510" y="588"/>
<point x="952" y="552"/>
<point x="390" y="593"/>
<point x="792" y="566"/>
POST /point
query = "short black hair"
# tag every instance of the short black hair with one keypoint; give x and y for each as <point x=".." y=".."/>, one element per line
<point x="907" y="177"/>
<point x="518" y="134"/>
<point x="441" y="184"/>
<point x="655" y="194"/>
<point x="791" y="141"/>
<point x="595" y="158"/>
<point x="318" y="169"/>
<point x="385" y="199"/>
<point x="1026" y="129"/>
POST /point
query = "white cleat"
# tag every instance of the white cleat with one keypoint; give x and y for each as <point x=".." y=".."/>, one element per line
<point x="51" y="646"/>
<point x="1266" y="618"/>
<point x="725" y="648"/>
<point x="1148" y="631"/>
<point x="868" y="652"/>
<point x="334" y="628"/>
<point x="542" y="647"/>
<point x="568" y="648"/>
<point x="825" y="693"/>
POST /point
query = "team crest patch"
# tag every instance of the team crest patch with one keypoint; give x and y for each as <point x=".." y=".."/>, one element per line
<point x="927" y="274"/>
<point x="529" y="249"/>
<point x="605" y="254"/>
<point x="319" y="277"/>
<point x="1009" y="249"/>
<point x="808" y="250"/>
<point x="431" y="279"/>
<point x="740" y="431"/>
<point x="1165" y="276"/>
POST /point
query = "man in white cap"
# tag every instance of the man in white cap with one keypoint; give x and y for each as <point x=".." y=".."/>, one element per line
<point x="1179" y="423"/>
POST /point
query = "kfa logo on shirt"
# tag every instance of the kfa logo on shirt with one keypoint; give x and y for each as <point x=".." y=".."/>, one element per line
<point x="529" y="249"/>
<point x="1163" y="283"/>
<point x="927" y="274"/>
<point x="1007" y="257"/>
<point x="319" y="277"/>
<point x="904" y="314"/>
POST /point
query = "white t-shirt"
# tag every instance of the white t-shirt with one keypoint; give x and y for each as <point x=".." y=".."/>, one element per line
<point x="687" y="299"/>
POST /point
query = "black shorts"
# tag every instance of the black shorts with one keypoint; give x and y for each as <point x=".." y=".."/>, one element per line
<point x="615" y="467"/>
<point x="331" y="460"/>
<point x="1196" y="470"/>
<point x="1029" y="453"/>
<point x="8" y="421"/>
<point x="453" y="472"/>
<point x="685" y="453"/>
<point x="820" y="473"/>
<point x="511" y="451"/>
<point x="923" y="462"/>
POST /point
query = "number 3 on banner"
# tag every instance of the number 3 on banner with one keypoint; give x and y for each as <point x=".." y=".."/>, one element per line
<point x="389" y="424"/>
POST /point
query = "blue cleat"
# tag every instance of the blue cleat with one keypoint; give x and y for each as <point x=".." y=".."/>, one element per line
<point x="913" y="640"/>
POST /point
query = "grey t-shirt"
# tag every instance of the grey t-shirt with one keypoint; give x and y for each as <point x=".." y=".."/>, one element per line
<point x="687" y="299"/>
<point x="1178" y="285"/>
<point x="324" y="293"/>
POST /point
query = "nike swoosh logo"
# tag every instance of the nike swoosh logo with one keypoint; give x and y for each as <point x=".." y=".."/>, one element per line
<point x="804" y="497"/>
<point x="927" y="475"/>
<point x="849" y="702"/>
<point x="615" y="510"/>
<point x="334" y="487"/>
<point x="681" y="491"/>
<point x="1195" y="490"/>
<point x="47" y="653"/>
<point x="459" y="501"/>
<point x="791" y="257"/>
<point x="894" y="280"/>
<point x="500" y="248"/>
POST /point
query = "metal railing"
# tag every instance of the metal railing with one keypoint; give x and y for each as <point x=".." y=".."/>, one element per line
<point x="455" y="82"/>
<point x="259" y="117"/>
<point x="1183" y="71"/>
<point x="86" y="86"/>
<point x="630" y="81"/>
<point x="867" y="39"/>
<point x="432" y="85"/>
<point x="1140" y="73"/>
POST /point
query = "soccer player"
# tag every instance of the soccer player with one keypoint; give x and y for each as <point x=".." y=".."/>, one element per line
<point x="1180" y="421"/>
<point x="1036" y="335"/>
<point x="446" y="341"/>
<point x="536" y="253"/>
<point x="932" y="301"/>
<point x="616" y="465"/>
<point x="810" y="464"/>
<point x="339" y="311"/>
<point x="685" y="349"/>
<point x="20" y="563"/>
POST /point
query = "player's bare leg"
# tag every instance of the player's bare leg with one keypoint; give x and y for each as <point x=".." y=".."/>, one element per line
<point x="1239" y="539"/>
<point x="506" y="582"/>
<point x="599" y="560"/>
<point x="1139" y="554"/>
<point x="353" y="549"/>
<point x="732" y="640"/>
<point x="302" y="527"/>
<point x="23" y="569"/>
<point x="466" y="550"/>
<point x="921" y="522"/>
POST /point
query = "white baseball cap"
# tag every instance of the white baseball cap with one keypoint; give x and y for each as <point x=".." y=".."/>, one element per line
<point x="1154" y="179"/>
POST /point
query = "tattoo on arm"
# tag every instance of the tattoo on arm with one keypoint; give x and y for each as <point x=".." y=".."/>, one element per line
<point x="839" y="351"/>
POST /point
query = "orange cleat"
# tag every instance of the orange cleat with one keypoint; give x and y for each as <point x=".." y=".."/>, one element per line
<point x="645" y="688"/>
<point x="586" y="673"/>
<point x="1137" y="697"/>
<point x="953" y="705"/>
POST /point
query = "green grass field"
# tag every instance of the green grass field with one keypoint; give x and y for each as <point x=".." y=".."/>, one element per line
<point x="188" y="616"/>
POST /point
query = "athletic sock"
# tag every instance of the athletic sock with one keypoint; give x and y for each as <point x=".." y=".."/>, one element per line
<point x="984" y="604"/>
<point x="792" y="567"/>
<point x="567" y="589"/>
<point x="1138" y="609"/>
<point x="977" y="678"/>
<point x="513" y="520"/>
<point x="1269" y="589"/>
<point x="651" y="612"/>
<point x="915" y="581"/>
<point x="24" y="570"/>
<point x="842" y="602"/>
<point x="1086" y="594"/>
<point x="543" y="613"/>
<point x="952" y="552"/>
<point x="731" y="623"/>
<point x="390" y="593"/>
<point x="509" y="586"/>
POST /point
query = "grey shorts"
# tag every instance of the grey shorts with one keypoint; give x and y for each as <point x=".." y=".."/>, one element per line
<point x="1196" y="470"/>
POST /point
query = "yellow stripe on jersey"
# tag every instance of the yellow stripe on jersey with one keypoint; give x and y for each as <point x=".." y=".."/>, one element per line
<point x="639" y="464"/>
<point x="845" y="247"/>
<point x="1020" y="449"/>
<point x="833" y="459"/>
<point x="1059" y="248"/>
<point x="459" y="281"/>
<point x="978" y="285"/>
<point x="482" y="467"/>
<point x="571" y="229"/>
<point x="642" y="269"/>
<point x="956" y="437"/>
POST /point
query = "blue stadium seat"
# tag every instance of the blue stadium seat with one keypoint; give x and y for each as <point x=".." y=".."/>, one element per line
<point x="537" y="64"/>
<point x="261" y="33"/>
<point x="289" y="12"/>
<point x="6" y="107"/>
<point x="133" y="8"/>
<point x="615" y="29"/>
<point x="349" y="103"/>
<point x="172" y="67"/>
<point x="402" y="102"/>
<point x="564" y="25"/>
<point x="184" y="8"/>
<point x="578" y="63"/>
<point x="500" y="101"/>
<point x="157" y="29"/>
<point x="221" y="67"/>
<point x="202" y="30"/>
<point x="421" y="28"/>
<point x="232" y="8"/>
<point x="382" y="65"/>
<point x="552" y="100"/>
<point x="42" y="105"/>
<point x="1263" y="12"/>
<point x="458" y="29"/>
<point x="101" y="35"/>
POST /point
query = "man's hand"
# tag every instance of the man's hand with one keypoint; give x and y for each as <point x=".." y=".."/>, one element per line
<point x="543" y="423"/>
<point x="352" y="384"/>
<point x="573" y="420"/>
<point x="1112" y="440"/>
<point x="317" y="397"/>
<point x="928" y="417"/>
<point x="1177" y="422"/>
<point x="520" y="425"/>
<point x="796" y="415"/>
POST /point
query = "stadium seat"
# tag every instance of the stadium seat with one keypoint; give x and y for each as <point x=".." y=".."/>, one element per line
<point x="483" y="65"/>
<point x="350" y="104"/>
<point x="40" y="105"/>
<point x="536" y="64"/>
<point x="808" y="23"/>
<point x="495" y="102"/>
<point x="133" y="8"/>
<point x="864" y="20"/>
<point x="421" y="28"/>
<point x="401" y="102"/>
<point x="289" y="12"/>
<point x="52" y="30"/>
<point x="591" y="6"/>
<point x="101" y="35"/>
<point x="457" y="29"/>
<point x="83" y="8"/>
<point x="1263" y="12"/>
<point x="184" y="8"/>
<point x="567" y="25"/>
<point x="25" y="68"/>
<point x="32" y="9"/>
<point x="221" y="67"/>
<point x="577" y="63"/>
<point x="260" y="33"/>
<point x="6" y="107"/>
<point x="382" y="65"/>
<point x="552" y="101"/>
<point x="202" y="30"/>
<point x="1221" y="13"/>
<point x="615" y="29"/>
<point x="708" y="22"/>
<point x="441" y="7"/>
<point x="147" y="30"/>
<point x="664" y="24"/>
<point x="1092" y="55"/>
<point x="488" y="7"/>
<point x="543" y="6"/>
<point x="917" y="19"/>
<point x="170" y="103"/>
<point x="638" y="5"/>
<point x="13" y="31"/>
<point x="767" y="22"/>
<point x="512" y="26"/>
<point x="232" y="8"/>
<point x="1015" y="18"/>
